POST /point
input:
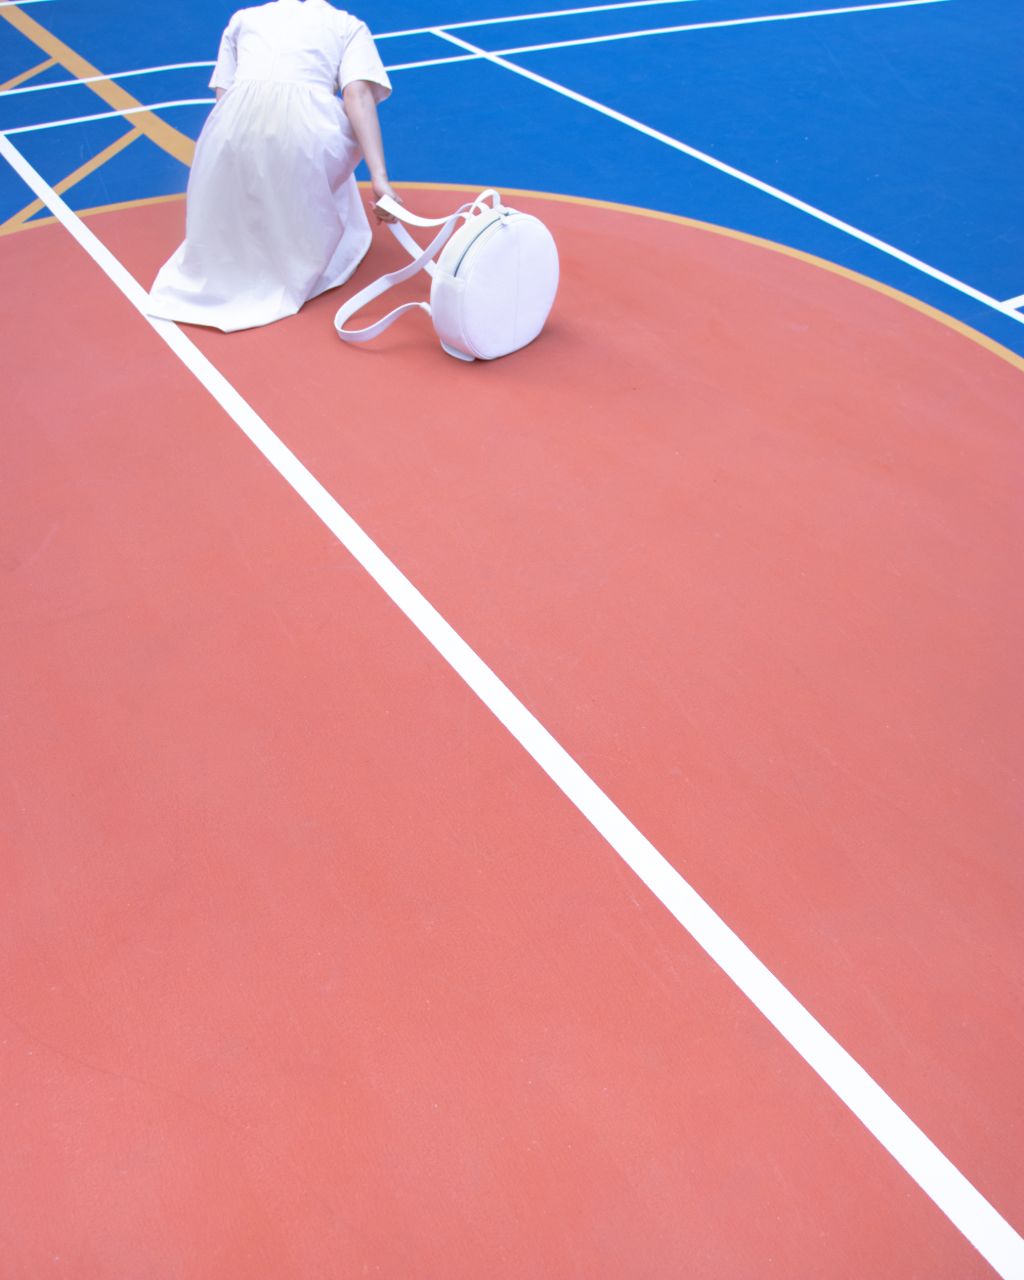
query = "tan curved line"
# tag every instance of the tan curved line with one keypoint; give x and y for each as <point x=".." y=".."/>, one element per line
<point x="17" y="220"/>
<point x="990" y="344"/>
<point x="94" y="209"/>
<point x="182" y="148"/>
<point x="981" y="339"/>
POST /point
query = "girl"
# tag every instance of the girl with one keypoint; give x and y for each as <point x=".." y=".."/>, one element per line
<point x="273" y="214"/>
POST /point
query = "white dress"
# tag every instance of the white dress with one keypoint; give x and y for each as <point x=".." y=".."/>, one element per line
<point x="273" y="215"/>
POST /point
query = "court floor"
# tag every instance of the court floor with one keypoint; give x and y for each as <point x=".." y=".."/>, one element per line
<point x="556" y="817"/>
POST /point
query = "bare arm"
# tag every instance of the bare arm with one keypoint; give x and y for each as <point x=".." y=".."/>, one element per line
<point x="361" y="109"/>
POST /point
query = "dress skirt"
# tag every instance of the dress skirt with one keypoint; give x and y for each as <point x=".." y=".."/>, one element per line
<point x="273" y="215"/>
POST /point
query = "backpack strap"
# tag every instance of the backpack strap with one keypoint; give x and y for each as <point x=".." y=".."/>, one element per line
<point x="399" y="211"/>
<point x="422" y="259"/>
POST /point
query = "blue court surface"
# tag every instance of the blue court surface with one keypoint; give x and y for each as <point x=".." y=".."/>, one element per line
<point x="883" y="137"/>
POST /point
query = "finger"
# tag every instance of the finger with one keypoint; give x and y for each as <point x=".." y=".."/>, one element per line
<point x="382" y="215"/>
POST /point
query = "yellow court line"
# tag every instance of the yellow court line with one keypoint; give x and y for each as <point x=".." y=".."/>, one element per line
<point x="164" y="135"/>
<point x="958" y="326"/>
<point x="982" y="339"/>
<point x="27" y="75"/>
<point x="103" y="208"/>
<point x="182" y="148"/>
<point x="17" y="220"/>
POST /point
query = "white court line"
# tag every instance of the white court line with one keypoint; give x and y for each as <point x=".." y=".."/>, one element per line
<point x="114" y="75"/>
<point x="526" y="17"/>
<point x="432" y="62"/>
<point x="506" y="53"/>
<point x="655" y="31"/>
<point x="184" y="66"/>
<point x="525" y="48"/>
<point x="706" y="26"/>
<point x="732" y="172"/>
<point x="962" y="1203"/>
<point x="108" y="115"/>
<point x="387" y="35"/>
<point x="1014" y="303"/>
<point x="1010" y="308"/>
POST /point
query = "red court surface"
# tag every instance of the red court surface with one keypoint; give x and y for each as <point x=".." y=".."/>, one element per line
<point x="310" y="971"/>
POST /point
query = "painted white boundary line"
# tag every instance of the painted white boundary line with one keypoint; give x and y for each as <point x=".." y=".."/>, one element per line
<point x="114" y="75"/>
<point x="386" y="35"/>
<point x="969" y="1211"/>
<point x="651" y="31"/>
<point x="472" y="53"/>
<point x="528" y="17"/>
<point x="732" y="172"/>
<point x="525" y="48"/>
<point x="108" y="115"/>
<point x="433" y="62"/>
<point x="722" y="22"/>
<point x="1015" y="302"/>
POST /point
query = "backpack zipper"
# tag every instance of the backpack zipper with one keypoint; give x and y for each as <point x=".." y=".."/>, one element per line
<point x="484" y="232"/>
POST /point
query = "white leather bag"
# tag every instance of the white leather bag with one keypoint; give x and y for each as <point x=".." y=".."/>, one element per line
<point x="493" y="285"/>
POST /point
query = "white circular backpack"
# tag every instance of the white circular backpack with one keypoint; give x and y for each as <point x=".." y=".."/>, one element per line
<point x="492" y="287"/>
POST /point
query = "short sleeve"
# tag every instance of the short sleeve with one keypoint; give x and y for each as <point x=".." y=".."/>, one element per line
<point x="227" y="56"/>
<point x="361" y="61"/>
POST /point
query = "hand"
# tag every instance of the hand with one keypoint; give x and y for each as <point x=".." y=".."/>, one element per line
<point x="381" y="188"/>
